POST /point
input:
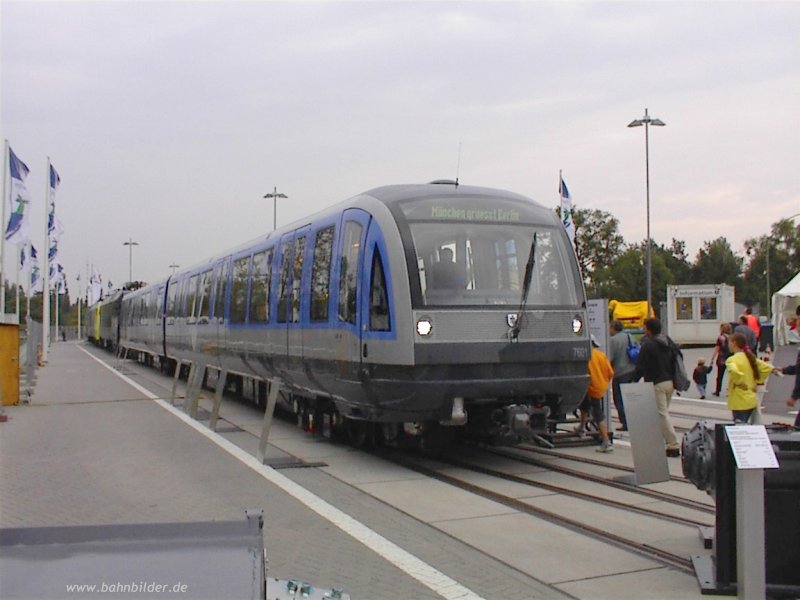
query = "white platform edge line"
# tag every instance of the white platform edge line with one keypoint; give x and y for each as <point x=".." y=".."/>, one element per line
<point x="403" y="560"/>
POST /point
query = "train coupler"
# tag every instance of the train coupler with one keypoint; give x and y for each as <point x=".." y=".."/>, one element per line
<point x="512" y="424"/>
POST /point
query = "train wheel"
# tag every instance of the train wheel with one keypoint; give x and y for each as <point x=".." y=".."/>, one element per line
<point x="360" y="433"/>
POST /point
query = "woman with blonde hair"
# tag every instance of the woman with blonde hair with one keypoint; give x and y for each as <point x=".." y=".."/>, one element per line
<point x="721" y="353"/>
<point x="745" y="373"/>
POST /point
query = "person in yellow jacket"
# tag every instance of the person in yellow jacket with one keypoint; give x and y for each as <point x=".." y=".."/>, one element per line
<point x="600" y="375"/>
<point x="745" y="373"/>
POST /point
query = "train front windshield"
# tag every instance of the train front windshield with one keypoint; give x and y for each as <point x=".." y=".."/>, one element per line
<point x="481" y="261"/>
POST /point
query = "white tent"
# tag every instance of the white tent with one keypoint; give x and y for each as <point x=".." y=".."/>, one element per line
<point x="784" y="305"/>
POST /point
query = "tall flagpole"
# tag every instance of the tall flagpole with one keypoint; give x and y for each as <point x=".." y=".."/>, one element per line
<point x="28" y="285"/>
<point x="79" y="336"/>
<point x="46" y="269"/>
<point x="3" y="236"/>
<point x="56" y="294"/>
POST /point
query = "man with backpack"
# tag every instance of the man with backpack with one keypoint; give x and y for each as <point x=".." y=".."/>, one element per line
<point x="618" y="345"/>
<point x="656" y="364"/>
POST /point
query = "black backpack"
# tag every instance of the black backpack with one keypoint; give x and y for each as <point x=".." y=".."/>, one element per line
<point x="680" y="380"/>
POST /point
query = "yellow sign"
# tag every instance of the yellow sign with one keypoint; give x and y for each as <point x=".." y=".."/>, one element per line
<point x="9" y="363"/>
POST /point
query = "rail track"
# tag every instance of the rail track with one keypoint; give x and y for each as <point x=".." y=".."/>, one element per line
<point x="663" y="556"/>
<point x="419" y="464"/>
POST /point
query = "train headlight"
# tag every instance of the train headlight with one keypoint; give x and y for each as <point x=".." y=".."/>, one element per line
<point x="577" y="324"/>
<point x="424" y="327"/>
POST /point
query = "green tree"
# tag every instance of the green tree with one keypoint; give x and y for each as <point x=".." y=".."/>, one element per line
<point x="773" y="260"/>
<point x="676" y="262"/>
<point x="597" y="243"/>
<point x="626" y="278"/>
<point x="717" y="263"/>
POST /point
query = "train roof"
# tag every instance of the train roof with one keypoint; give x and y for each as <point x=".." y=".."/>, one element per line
<point x="388" y="195"/>
<point x="392" y="194"/>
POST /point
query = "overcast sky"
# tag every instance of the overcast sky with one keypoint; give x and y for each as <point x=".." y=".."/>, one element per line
<point x="169" y="121"/>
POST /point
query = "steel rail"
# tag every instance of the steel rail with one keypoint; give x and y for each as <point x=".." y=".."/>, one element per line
<point x="671" y="498"/>
<point x="665" y="557"/>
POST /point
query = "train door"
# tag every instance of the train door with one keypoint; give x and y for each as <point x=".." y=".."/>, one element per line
<point x="290" y="300"/>
<point x="355" y="223"/>
<point x="164" y="315"/>
<point x="375" y="293"/>
<point x="154" y="320"/>
<point x="219" y="296"/>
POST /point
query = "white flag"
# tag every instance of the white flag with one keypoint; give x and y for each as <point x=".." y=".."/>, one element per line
<point x="95" y="286"/>
<point x="566" y="209"/>
<point x="54" y="226"/>
<point x="16" y="230"/>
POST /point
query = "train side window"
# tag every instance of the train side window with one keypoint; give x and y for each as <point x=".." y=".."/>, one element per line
<point x="221" y="283"/>
<point x="204" y="300"/>
<point x="379" y="298"/>
<point x="182" y="288"/>
<point x="321" y="274"/>
<point x="259" y="287"/>
<point x="297" y="276"/>
<point x="348" y="284"/>
<point x="283" y="292"/>
<point x="239" y="290"/>
<point x="159" y="304"/>
<point x="172" y="301"/>
<point x="191" y="303"/>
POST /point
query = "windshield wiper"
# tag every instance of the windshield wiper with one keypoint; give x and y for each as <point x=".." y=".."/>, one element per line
<point x="526" y="285"/>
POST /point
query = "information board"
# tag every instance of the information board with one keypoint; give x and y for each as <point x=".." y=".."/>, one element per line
<point x="751" y="447"/>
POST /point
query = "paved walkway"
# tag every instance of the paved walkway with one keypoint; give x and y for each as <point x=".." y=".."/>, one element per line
<point x="91" y="449"/>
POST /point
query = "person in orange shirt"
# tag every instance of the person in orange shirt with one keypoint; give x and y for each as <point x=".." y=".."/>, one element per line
<point x="752" y="323"/>
<point x="600" y="375"/>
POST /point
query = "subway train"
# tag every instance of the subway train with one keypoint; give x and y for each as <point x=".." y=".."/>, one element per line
<point x="406" y="313"/>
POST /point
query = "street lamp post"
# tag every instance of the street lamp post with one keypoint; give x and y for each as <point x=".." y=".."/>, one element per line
<point x="275" y="195"/>
<point x="130" y="244"/>
<point x="647" y="121"/>
<point x="174" y="266"/>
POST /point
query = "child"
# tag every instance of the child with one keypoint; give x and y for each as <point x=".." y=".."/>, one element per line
<point x="600" y="375"/>
<point x="700" y="376"/>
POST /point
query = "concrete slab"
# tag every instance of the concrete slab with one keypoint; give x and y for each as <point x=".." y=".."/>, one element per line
<point x="360" y="468"/>
<point x="508" y="488"/>
<point x="656" y="584"/>
<point x="543" y="550"/>
<point x="643" y="529"/>
<point x="683" y="490"/>
<point x="432" y="501"/>
<point x="585" y="486"/>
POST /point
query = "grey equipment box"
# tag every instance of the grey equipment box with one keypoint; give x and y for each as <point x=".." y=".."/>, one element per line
<point x="217" y="559"/>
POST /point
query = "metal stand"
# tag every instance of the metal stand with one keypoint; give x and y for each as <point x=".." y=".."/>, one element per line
<point x="750" y="539"/>
<point x="274" y="388"/>
<point x="212" y="420"/>
<point x="193" y="385"/>
<point x="649" y="460"/>
<point x="178" y="365"/>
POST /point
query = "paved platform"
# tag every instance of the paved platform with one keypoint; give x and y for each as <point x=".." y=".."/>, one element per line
<point x="95" y="448"/>
<point x="92" y="449"/>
